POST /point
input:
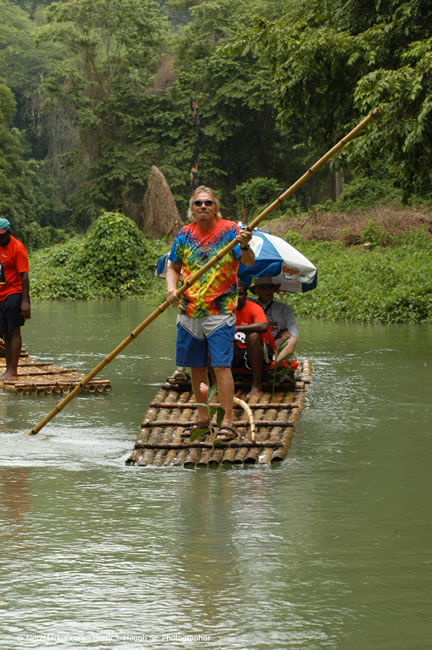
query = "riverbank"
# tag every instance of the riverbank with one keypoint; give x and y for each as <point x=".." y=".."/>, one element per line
<point x="369" y="284"/>
<point x="372" y="266"/>
<point x="352" y="229"/>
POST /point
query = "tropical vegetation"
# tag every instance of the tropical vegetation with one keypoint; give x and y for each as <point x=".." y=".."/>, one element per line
<point x="370" y="284"/>
<point x="386" y="279"/>
<point x="114" y="259"/>
<point x="93" y="93"/>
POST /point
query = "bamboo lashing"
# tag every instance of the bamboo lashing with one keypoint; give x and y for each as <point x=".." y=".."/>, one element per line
<point x="201" y="272"/>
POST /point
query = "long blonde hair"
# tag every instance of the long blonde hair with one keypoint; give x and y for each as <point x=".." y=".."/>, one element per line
<point x="203" y="188"/>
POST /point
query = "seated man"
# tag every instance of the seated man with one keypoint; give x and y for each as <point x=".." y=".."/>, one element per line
<point x="283" y="325"/>
<point x="252" y="346"/>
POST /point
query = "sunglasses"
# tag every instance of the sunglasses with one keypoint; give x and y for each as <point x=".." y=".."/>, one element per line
<point x="199" y="203"/>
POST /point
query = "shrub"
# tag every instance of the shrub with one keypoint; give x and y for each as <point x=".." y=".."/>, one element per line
<point x="293" y="238"/>
<point x="363" y="193"/>
<point x="36" y="236"/>
<point x="114" y="259"/>
<point x="374" y="235"/>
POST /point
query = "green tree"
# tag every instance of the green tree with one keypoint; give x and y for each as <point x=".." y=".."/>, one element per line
<point x="31" y="6"/>
<point x="16" y="200"/>
<point x="24" y="63"/>
<point x="404" y="132"/>
<point x="333" y="62"/>
<point x="102" y="89"/>
<point x="235" y="103"/>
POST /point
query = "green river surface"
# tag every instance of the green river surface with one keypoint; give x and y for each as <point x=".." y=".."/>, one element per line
<point x="330" y="549"/>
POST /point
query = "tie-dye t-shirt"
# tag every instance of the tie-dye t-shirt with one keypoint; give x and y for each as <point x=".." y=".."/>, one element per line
<point x="215" y="292"/>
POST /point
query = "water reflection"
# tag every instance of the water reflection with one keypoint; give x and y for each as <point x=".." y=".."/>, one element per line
<point x="14" y="494"/>
<point x="206" y="550"/>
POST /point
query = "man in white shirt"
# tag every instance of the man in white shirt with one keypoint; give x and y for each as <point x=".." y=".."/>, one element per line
<point x="280" y="316"/>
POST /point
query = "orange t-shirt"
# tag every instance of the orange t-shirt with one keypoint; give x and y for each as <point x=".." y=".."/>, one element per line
<point x="248" y="315"/>
<point x="13" y="262"/>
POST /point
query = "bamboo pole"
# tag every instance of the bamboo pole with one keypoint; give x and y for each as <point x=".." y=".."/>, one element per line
<point x="254" y="223"/>
<point x="280" y="453"/>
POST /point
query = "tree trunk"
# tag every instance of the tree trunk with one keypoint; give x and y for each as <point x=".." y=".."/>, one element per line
<point x="339" y="183"/>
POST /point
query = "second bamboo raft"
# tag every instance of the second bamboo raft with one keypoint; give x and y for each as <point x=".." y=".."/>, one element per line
<point x="37" y="377"/>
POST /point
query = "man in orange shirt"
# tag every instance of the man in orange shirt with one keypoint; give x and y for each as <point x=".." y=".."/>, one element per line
<point x="14" y="296"/>
<point x="253" y="344"/>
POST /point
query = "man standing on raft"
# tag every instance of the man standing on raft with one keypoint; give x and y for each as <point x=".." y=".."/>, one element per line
<point x="14" y="296"/>
<point x="206" y="320"/>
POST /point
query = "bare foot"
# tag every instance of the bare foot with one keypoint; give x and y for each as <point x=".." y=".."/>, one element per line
<point x="255" y="391"/>
<point x="8" y="375"/>
<point x="203" y="427"/>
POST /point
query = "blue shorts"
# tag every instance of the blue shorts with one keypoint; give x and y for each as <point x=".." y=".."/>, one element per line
<point x="204" y="338"/>
<point x="10" y="314"/>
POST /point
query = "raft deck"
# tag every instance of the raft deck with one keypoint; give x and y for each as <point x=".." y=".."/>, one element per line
<point x="42" y="377"/>
<point x="263" y="441"/>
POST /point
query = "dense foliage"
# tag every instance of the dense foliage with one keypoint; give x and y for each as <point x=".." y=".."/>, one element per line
<point x="114" y="259"/>
<point x="370" y="284"/>
<point x="95" y="92"/>
<point x="338" y="60"/>
<point x="385" y="281"/>
<point x="102" y="90"/>
<point x="14" y="184"/>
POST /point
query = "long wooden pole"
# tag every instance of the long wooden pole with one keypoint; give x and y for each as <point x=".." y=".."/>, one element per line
<point x="201" y="272"/>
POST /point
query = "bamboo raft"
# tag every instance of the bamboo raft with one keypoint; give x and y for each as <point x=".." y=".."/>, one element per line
<point x="263" y="441"/>
<point x="45" y="378"/>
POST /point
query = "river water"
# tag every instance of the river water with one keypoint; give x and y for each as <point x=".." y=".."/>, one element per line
<point x="331" y="549"/>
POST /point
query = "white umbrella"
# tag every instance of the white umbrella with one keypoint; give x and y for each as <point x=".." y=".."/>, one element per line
<point x="276" y="258"/>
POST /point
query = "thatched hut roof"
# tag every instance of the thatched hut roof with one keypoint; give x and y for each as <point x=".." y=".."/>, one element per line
<point x="160" y="216"/>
